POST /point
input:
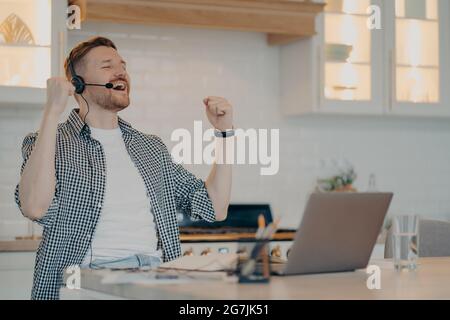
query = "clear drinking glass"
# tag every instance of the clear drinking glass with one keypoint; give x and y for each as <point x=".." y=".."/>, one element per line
<point x="405" y="241"/>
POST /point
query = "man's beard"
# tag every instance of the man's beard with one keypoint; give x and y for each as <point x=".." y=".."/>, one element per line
<point x="111" y="102"/>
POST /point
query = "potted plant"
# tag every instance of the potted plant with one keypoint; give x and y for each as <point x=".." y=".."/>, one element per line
<point x="341" y="181"/>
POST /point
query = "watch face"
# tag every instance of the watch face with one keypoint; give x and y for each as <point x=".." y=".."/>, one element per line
<point x="224" y="134"/>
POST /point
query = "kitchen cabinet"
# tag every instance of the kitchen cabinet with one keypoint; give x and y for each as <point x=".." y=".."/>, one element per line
<point x="401" y="68"/>
<point x="32" y="48"/>
<point x="16" y="275"/>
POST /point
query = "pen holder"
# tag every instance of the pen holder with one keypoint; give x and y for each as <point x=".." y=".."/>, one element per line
<point x="255" y="269"/>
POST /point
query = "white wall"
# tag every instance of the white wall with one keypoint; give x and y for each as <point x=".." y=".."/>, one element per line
<point x="14" y="125"/>
<point x="173" y="69"/>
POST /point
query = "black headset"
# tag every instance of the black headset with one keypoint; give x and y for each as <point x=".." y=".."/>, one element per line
<point x="79" y="83"/>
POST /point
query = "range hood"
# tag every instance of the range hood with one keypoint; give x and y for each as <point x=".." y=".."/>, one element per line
<point x="283" y="21"/>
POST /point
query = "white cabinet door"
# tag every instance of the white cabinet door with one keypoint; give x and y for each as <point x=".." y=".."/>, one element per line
<point x="419" y="57"/>
<point x="351" y="58"/>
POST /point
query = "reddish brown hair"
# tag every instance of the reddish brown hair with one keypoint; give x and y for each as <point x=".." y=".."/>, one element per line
<point x="77" y="54"/>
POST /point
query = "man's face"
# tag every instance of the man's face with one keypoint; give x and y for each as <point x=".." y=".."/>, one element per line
<point x="102" y="65"/>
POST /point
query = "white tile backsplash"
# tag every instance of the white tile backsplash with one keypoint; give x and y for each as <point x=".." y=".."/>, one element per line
<point x="173" y="69"/>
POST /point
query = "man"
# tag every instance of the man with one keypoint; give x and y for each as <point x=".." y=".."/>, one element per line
<point x="106" y="193"/>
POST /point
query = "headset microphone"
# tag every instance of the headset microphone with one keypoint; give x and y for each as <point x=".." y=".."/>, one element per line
<point x="108" y="85"/>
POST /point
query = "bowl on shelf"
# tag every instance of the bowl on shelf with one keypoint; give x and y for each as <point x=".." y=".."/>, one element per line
<point x="337" y="52"/>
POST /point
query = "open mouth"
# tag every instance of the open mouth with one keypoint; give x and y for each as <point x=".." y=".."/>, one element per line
<point x="119" y="86"/>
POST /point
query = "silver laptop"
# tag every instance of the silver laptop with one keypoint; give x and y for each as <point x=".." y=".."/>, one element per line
<point x="338" y="233"/>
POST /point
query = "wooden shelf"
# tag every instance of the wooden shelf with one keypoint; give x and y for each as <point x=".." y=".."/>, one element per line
<point x="227" y="237"/>
<point x="283" y="21"/>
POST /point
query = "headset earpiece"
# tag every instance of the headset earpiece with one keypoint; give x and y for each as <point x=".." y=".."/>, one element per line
<point x="78" y="83"/>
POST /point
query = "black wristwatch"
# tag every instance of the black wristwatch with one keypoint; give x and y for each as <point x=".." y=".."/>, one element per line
<point x="224" y="134"/>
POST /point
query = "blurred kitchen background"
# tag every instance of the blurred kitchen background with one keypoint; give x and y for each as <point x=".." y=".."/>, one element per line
<point x="340" y="93"/>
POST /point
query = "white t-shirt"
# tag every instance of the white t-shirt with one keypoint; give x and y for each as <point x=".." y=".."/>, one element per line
<point x="126" y="225"/>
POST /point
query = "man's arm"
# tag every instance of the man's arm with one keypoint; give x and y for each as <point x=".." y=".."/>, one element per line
<point x="220" y="114"/>
<point x="218" y="182"/>
<point x="38" y="180"/>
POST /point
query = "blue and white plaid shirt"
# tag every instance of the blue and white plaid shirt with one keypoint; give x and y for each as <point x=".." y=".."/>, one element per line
<point x="71" y="219"/>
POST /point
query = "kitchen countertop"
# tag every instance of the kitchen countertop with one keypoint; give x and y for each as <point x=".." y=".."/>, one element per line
<point x="431" y="280"/>
<point x="30" y="245"/>
<point x="23" y="245"/>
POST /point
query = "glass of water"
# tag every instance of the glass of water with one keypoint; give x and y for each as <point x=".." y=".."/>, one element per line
<point x="405" y="241"/>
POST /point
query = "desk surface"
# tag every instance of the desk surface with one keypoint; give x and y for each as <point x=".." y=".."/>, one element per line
<point x="430" y="281"/>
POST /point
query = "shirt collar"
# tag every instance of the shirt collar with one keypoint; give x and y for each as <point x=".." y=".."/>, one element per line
<point x="82" y="128"/>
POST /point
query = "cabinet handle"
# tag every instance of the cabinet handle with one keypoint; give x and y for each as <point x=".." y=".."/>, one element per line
<point x="320" y="77"/>
<point x="393" y="82"/>
<point x="62" y="39"/>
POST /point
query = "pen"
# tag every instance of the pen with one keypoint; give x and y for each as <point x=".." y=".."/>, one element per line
<point x="270" y="229"/>
<point x="261" y="226"/>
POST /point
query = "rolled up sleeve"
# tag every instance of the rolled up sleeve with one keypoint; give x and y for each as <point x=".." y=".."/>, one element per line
<point x="191" y="195"/>
<point x="27" y="149"/>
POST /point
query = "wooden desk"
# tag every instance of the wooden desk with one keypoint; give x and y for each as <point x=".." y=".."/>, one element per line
<point x="430" y="281"/>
